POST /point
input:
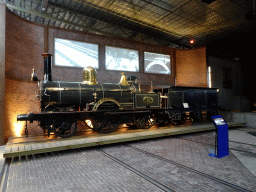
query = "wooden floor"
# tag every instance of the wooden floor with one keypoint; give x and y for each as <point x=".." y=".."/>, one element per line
<point x="20" y="146"/>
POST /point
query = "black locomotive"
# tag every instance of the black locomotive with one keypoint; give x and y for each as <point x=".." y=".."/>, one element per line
<point x="107" y="105"/>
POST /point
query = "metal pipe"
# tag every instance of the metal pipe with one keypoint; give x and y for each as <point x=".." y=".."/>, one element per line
<point x="22" y="117"/>
<point x="47" y="66"/>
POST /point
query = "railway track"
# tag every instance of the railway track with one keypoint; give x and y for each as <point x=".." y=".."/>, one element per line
<point x="139" y="173"/>
<point x="243" y="143"/>
<point x="4" y="175"/>
<point x="233" y="145"/>
<point x="218" y="182"/>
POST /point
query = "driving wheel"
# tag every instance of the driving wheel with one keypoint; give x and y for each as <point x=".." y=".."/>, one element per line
<point x="105" y="123"/>
<point x="110" y="123"/>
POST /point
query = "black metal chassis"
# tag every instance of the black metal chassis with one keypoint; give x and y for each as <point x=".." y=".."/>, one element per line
<point x="47" y="118"/>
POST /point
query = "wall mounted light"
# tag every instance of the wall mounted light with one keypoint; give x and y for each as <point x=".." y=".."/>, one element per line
<point x="191" y="41"/>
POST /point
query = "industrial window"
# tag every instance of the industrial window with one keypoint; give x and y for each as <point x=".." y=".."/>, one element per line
<point x="157" y="63"/>
<point x="70" y="53"/>
<point x="121" y="59"/>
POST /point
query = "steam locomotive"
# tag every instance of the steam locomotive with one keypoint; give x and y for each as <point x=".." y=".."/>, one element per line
<point x="107" y="105"/>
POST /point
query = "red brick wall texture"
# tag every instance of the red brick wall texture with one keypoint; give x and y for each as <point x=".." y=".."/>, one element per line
<point x="191" y="69"/>
<point x="25" y="44"/>
<point x="19" y="99"/>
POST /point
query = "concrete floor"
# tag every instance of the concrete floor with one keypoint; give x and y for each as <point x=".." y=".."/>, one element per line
<point x="241" y="135"/>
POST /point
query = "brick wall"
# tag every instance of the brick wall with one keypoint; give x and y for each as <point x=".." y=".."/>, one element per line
<point x="19" y="99"/>
<point x="191" y="68"/>
<point x="24" y="46"/>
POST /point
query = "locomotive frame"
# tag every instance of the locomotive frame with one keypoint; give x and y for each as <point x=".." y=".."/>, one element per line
<point x="109" y="105"/>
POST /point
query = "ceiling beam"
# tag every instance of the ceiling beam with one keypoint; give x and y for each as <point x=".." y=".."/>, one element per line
<point x="104" y="17"/>
<point x="46" y="16"/>
<point x="133" y="35"/>
<point x="113" y="19"/>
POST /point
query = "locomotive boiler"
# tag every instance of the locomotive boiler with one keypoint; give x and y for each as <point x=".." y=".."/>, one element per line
<point x="62" y="96"/>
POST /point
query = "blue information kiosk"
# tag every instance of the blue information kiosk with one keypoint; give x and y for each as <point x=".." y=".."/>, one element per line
<point x="221" y="140"/>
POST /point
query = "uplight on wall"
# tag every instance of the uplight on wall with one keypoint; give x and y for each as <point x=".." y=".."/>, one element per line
<point x="209" y="77"/>
<point x="18" y="127"/>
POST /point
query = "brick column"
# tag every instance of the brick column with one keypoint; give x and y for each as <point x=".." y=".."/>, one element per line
<point x="2" y="68"/>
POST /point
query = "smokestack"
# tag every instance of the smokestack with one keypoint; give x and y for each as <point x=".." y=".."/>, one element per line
<point x="47" y="66"/>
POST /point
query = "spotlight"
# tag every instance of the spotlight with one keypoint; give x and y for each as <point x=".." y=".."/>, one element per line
<point x="192" y="41"/>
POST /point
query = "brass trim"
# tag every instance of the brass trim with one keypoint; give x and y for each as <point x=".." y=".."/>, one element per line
<point x="78" y="89"/>
<point x="95" y="107"/>
<point x="147" y="95"/>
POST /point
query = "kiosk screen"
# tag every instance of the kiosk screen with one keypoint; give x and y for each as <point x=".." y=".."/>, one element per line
<point x="219" y="121"/>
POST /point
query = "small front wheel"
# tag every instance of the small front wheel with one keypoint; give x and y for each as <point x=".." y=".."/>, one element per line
<point x="64" y="127"/>
<point x="144" y="121"/>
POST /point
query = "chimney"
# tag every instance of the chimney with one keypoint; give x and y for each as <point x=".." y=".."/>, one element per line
<point x="47" y="66"/>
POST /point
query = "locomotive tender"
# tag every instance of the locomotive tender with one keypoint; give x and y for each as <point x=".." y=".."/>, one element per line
<point x="107" y="105"/>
